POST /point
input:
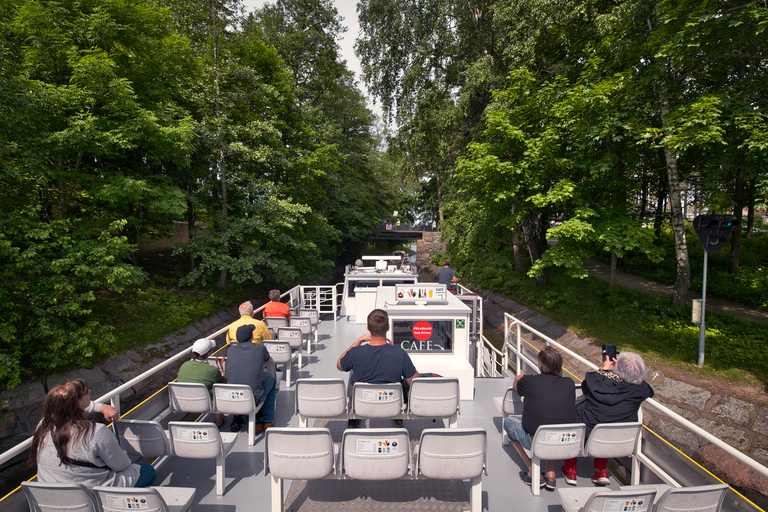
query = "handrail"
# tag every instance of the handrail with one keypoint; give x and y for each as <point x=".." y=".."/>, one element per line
<point x="691" y="427"/>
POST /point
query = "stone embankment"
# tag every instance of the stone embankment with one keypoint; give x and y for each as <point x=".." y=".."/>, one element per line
<point x="23" y="405"/>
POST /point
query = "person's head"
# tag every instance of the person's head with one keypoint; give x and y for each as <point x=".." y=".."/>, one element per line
<point x="446" y="263"/>
<point x="630" y="367"/>
<point x="63" y="418"/>
<point x="245" y="333"/>
<point x="246" y="308"/>
<point x="378" y="322"/>
<point x="550" y="361"/>
<point x="202" y="348"/>
<point x="274" y="295"/>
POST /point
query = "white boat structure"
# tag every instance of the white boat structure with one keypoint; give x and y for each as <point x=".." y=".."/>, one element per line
<point x="447" y="456"/>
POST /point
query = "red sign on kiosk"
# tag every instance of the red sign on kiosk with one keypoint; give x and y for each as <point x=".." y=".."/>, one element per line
<point x="422" y="331"/>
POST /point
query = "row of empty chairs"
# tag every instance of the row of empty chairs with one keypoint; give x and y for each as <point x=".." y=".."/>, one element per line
<point x="306" y="322"/>
<point x="192" y="440"/>
<point x="558" y="442"/>
<point x="376" y="454"/>
<point x="227" y="399"/>
<point x="44" y="497"/>
<point x="429" y="397"/>
<point x="653" y="498"/>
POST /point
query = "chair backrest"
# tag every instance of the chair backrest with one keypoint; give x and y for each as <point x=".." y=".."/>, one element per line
<point x="233" y="399"/>
<point x="452" y="454"/>
<point x="279" y="350"/>
<point x="195" y="440"/>
<point x="301" y="322"/>
<point x="375" y="453"/>
<point x="120" y="499"/>
<point x="189" y="397"/>
<point x="377" y="400"/>
<point x="434" y="397"/>
<point x="275" y="322"/>
<point x="512" y="404"/>
<point x="299" y="453"/>
<point x="312" y="314"/>
<point x="703" y="498"/>
<point x="292" y="335"/>
<point x="141" y="438"/>
<point x="610" y="440"/>
<point x="558" y="442"/>
<point x="321" y="398"/>
<point x="637" y="501"/>
<point x="43" y="497"/>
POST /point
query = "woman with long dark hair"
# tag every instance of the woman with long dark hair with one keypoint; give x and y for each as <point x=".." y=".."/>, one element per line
<point x="68" y="448"/>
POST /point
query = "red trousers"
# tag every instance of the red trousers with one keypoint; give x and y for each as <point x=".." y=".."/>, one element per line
<point x="600" y="464"/>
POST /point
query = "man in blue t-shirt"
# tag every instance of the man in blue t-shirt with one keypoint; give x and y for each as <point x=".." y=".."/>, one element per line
<point x="378" y="362"/>
<point x="447" y="276"/>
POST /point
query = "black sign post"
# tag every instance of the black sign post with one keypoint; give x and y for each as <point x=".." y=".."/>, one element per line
<point x="713" y="232"/>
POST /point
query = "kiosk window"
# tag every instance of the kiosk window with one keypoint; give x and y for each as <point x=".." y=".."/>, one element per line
<point x="423" y="336"/>
<point x="361" y="284"/>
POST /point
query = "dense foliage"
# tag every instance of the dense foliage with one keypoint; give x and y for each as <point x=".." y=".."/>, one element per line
<point x="121" y="116"/>
<point x="601" y="124"/>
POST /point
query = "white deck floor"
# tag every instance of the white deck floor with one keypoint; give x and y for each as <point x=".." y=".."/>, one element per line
<point x="246" y="487"/>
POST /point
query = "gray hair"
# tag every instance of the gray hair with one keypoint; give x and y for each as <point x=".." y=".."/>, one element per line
<point x="630" y="367"/>
<point x="246" y="308"/>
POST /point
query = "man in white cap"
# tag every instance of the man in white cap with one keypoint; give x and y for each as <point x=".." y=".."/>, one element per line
<point x="197" y="369"/>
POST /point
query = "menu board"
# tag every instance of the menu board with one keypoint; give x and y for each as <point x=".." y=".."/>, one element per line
<point x="410" y="293"/>
<point x="423" y="336"/>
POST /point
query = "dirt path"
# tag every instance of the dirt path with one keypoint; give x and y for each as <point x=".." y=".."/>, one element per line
<point x="601" y="271"/>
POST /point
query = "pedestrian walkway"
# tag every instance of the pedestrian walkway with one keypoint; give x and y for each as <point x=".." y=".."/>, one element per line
<point x="602" y="271"/>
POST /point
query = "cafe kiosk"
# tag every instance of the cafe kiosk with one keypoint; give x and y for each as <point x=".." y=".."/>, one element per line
<point x="432" y="325"/>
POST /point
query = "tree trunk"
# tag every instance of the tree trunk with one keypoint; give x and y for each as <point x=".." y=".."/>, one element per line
<point x="222" y="160"/>
<point x="612" y="273"/>
<point x="518" y="250"/>
<point x="531" y="227"/>
<point x="191" y="228"/>
<point x="738" y="208"/>
<point x="659" y="216"/>
<point x="750" y="208"/>
<point x="440" y="206"/>
<point x="676" y="216"/>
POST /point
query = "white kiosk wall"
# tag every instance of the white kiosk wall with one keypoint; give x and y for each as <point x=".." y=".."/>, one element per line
<point x="432" y="325"/>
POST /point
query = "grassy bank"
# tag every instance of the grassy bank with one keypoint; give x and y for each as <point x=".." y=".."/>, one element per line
<point x="735" y="350"/>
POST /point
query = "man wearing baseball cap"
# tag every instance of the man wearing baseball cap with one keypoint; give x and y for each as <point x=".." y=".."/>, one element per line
<point x="197" y="369"/>
<point x="245" y="365"/>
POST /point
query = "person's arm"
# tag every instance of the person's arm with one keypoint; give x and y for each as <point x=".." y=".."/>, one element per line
<point x="359" y="341"/>
<point x="514" y="384"/>
<point x="410" y="379"/>
<point x="608" y="364"/>
<point x="109" y="412"/>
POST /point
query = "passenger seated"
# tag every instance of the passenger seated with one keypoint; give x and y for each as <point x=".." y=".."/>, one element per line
<point x="378" y="362"/>
<point x="245" y="365"/>
<point x="612" y="394"/>
<point x="550" y="399"/>
<point x="198" y="371"/>
<point x="70" y="449"/>
<point x="261" y="331"/>
<point x="275" y="308"/>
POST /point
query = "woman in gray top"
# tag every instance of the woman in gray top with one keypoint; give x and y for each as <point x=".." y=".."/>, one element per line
<point x="68" y="448"/>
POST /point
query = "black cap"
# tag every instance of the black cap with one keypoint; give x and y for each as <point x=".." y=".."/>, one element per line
<point x="245" y="332"/>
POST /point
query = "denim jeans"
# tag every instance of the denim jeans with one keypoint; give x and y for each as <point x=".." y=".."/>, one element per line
<point x="147" y="475"/>
<point x="268" y="394"/>
<point x="513" y="426"/>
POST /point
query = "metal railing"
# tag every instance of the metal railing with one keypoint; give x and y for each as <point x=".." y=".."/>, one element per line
<point x="323" y="299"/>
<point x="514" y="329"/>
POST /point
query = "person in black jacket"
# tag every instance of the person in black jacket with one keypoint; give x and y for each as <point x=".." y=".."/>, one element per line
<point x="612" y="394"/>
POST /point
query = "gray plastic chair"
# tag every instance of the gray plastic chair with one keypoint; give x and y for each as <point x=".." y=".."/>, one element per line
<point x="612" y="440"/>
<point x="297" y="454"/>
<point x="282" y="355"/>
<point x="554" y="442"/>
<point x="321" y="398"/>
<point x="375" y="454"/>
<point x="581" y="499"/>
<point x="148" y="499"/>
<point x="304" y="323"/>
<point x="142" y="438"/>
<point x="377" y="400"/>
<point x="275" y="322"/>
<point x="44" y="497"/>
<point x="294" y="337"/>
<point x="454" y="454"/>
<point x="237" y="399"/>
<point x="435" y="397"/>
<point x="511" y="404"/>
<point x="195" y="440"/>
<point x="189" y="397"/>
<point x="704" y="498"/>
<point x="314" y="317"/>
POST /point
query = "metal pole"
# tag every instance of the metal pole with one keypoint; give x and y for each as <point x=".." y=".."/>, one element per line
<point x="702" y="325"/>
